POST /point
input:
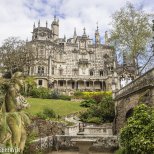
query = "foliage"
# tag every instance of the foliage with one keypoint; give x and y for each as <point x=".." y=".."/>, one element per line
<point x="100" y="112"/>
<point x="40" y="92"/>
<point x="15" y="55"/>
<point x="78" y="94"/>
<point x="30" y="84"/>
<point x="137" y="136"/>
<point x="65" y="97"/>
<point x="96" y="120"/>
<point x="47" y="113"/>
<point x="55" y="94"/>
<point x="91" y="95"/>
<point x="131" y="32"/>
<point x="30" y="138"/>
<point x="120" y="151"/>
<point x="87" y="103"/>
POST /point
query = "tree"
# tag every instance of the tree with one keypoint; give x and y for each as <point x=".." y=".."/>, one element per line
<point x="15" y="55"/>
<point x="131" y="32"/>
<point x="137" y="136"/>
<point x="29" y="85"/>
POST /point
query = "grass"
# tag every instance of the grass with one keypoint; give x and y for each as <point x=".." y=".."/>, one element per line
<point x="60" y="107"/>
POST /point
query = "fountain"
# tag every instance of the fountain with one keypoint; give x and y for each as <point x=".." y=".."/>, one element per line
<point x="84" y="144"/>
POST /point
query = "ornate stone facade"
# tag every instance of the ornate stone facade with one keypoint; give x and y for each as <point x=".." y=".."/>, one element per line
<point x="77" y="63"/>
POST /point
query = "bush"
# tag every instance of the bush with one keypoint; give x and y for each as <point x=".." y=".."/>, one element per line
<point x="95" y="120"/>
<point x="65" y="97"/>
<point x="47" y="113"/>
<point x="55" y="95"/>
<point x="120" y="151"/>
<point x="102" y="112"/>
<point x="87" y="103"/>
<point x="137" y="136"/>
<point x="40" y="92"/>
<point x="91" y="95"/>
<point x="78" y="94"/>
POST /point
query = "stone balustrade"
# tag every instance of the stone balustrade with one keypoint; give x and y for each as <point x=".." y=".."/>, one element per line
<point x="146" y="80"/>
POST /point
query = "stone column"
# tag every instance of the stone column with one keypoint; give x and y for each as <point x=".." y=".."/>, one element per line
<point x="84" y="84"/>
<point x="93" y="85"/>
<point x="49" y="66"/>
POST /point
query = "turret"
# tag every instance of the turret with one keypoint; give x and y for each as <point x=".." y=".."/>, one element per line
<point x="84" y="33"/>
<point x="106" y="38"/>
<point x="55" y="28"/>
<point x="75" y="35"/>
<point x="97" y="36"/>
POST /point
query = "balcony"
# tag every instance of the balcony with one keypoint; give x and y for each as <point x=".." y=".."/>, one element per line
<point x="83" y="61"/>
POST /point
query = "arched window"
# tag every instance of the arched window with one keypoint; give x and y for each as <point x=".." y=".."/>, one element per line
<point x="91" y="72"/>
<point x="101" y="73"/>
<point x="40" y="70"/>
<point x="60" y="71"/>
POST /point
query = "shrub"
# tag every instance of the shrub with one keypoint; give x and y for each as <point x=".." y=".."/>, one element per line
<point x="96" y="120"/>
<point x="55" y="94"/>
<point x="47" y="113"/>
<point x="137" y="136"/>
<point x="78" y="94"/>
<point x="87" y="103"/>
<point x="104" y="111"/>
<point x="65" y="97"/>
<point x="40" y="92"/>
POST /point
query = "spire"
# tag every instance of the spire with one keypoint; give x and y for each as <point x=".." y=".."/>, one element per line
<point x="97" y="27"/>
<point x="39" y="23"/>
<point x="97" y="36"/>
<point x="75" y="32"/>
<point x="64" y="38"/>
<point x="84" y="31"/>
<point x="34" y="26"/>
<point x="106" y="38"/>
<point x="54" y="17"/>
<point x="46" y="24"/>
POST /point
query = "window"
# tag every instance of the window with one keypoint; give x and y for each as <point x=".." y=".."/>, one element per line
<point x="91" y="72"/>
<point x="52" y="70"/>
<point x="101" y="73"/>
<point x="40" y="82"/>
<point x="40" y="70"/>
<point x="75" y="72"/>
<point x="87" y="84"/>
<point x="60" y="72"/>
<point x="61" y="83"/>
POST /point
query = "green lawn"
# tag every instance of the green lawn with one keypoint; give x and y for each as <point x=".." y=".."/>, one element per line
<point x="61" y="107"/>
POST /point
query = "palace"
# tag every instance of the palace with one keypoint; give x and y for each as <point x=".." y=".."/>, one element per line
<point x="78" y="63"/>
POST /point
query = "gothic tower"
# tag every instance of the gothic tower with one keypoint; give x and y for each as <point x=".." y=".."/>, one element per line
<point x="55" y="28"/>
<point x="97" y="36"/>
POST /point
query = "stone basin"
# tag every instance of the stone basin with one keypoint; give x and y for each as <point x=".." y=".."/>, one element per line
<point x="84" y="144"/>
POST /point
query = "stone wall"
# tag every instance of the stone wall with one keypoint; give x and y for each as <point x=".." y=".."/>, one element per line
<point x="139" y="91"/>
<point x="63" y="142"/>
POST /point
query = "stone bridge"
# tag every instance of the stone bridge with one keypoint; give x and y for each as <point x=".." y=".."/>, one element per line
<point x="141" y="90"/>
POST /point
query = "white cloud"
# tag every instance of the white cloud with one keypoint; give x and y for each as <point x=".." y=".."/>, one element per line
<point x="17" y="17"/>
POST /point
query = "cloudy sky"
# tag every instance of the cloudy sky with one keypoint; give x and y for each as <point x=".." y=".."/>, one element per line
<point x="17" y="16"/>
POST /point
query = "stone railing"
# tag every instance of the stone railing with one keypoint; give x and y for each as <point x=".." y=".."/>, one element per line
<point x="146" y="80"/>
<point x="98" y="131"/>
<point x="78" y="77"/>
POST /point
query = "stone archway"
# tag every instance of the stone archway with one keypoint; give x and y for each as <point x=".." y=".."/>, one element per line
<point x="129" y="113"/>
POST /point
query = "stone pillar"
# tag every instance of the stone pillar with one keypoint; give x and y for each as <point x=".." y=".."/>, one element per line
<point x="49" y="66"/>
<point x="93" y="85"/>
<point x="84" y="84"/>
<point x="66" y="84"/>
